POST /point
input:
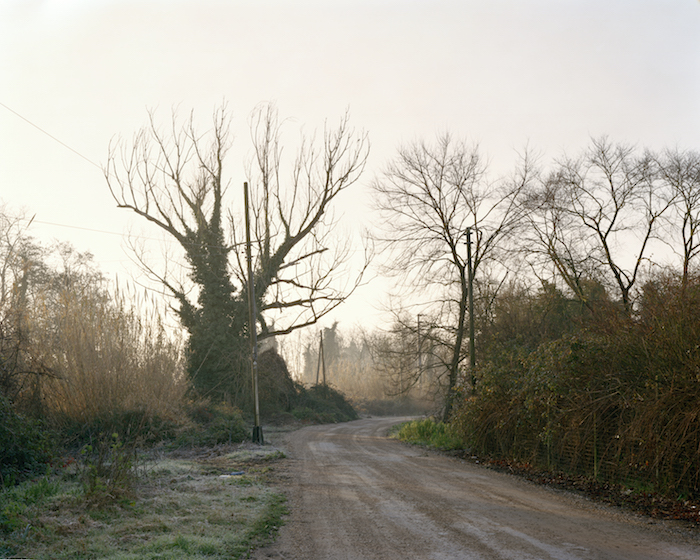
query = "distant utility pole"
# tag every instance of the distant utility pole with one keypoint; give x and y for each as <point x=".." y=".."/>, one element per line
<point x="252" y="328"/>
<point x="470" y="280"/>
<point x="321" y="360"/>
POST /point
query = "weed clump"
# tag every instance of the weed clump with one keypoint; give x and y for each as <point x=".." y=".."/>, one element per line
<point x="108" y="470"/>
<point x="430" y="433"/>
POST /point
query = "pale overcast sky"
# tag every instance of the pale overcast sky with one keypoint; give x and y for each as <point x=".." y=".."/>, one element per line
<point x="549" y="73"/>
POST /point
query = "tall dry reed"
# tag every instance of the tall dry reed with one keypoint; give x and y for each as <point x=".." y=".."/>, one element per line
<point x="105" y="355"/>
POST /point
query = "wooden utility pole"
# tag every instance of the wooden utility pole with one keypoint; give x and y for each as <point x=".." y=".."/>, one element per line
<point x="321" y="361"/>
<point x="252" y="328"/>
<point x="470" y="280"/>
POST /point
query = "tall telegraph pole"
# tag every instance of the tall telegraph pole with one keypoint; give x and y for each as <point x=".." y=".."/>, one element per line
<point x="470" y="280"/>
<point x="252" y="328"/>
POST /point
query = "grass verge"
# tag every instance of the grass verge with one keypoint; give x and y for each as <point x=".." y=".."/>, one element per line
<point x="441" y="436"/>
<point x="429" y="433"/>
<point x="206" y="504"/>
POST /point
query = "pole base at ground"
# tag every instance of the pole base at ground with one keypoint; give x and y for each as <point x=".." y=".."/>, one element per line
<point x="258" y="435"/>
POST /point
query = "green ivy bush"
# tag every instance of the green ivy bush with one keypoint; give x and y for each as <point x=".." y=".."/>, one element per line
<point x="211" y="424"/>
<point x="322" y="404"/>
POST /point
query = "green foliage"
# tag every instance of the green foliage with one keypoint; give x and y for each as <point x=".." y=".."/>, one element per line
<point x="19" y="507"/>
<point x="305" y="414"/>
<point x="25" y="446"/>
<point x="15" y="501"/>
<point x="211" y="424"/>
<point x="277" y="390"/>
<point x="217" y="344"/>
<point x="430" y="433"/>
<point x="108" y="470"/>
<point x="322" y="404"/>
<point x="264" y="528"/>
<point x="182" y="509"/>
<point x="521" y="321"/>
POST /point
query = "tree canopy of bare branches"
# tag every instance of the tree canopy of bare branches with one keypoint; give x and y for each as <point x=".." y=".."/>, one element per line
<point x="176" y="179"/>
<point x="428" y="197"/>
<point x="680" y="170"/>
<point x="595" y="216"/>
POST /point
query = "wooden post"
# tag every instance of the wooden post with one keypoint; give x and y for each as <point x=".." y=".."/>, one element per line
<point x="252" y="328"/>
<point x="321" y="360"/>
<point x="470" y="279"/>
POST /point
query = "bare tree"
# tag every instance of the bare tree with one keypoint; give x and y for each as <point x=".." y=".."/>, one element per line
<point x="412" y="358"/>
<point x="299" y="262"/>
<point x="595" y="217"/>
<point x="552" y="238"/>
<point x="681" y="171"/>
<point x="23" y="277"/>
<point x="395" y="357"/>
<point x="428" y="196"/>
<point x="16" y="264"/>
<point x="176" y="181"/>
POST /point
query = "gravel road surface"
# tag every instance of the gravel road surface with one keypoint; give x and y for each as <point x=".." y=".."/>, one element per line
<point x="356" y="494"/>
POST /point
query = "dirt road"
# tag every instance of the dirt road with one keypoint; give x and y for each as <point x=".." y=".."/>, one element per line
<point x="355" y="494"/>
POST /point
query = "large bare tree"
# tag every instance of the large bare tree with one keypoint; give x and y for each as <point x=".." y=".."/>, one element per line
<point x="595" y="217"/>
<point x="301" y="271"/>
<point x="428" y="196"/>
<point x="176" y="180"/>
<point x="681" y="172"/>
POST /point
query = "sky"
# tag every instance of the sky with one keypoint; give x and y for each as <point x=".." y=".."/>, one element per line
<point x="549" y="74"/>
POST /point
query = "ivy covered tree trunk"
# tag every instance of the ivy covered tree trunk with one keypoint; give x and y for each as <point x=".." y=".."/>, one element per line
<point x="217" y="362"/>
<point x="175" y="181"/>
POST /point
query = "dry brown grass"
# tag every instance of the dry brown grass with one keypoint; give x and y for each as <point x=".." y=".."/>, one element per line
<point x="105" y="355"/>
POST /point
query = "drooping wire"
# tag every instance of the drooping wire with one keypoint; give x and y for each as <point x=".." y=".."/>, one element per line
<point x="76" y="152"/>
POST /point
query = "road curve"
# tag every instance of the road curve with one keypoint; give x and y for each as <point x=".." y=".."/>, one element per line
<point x="355" y="494"/>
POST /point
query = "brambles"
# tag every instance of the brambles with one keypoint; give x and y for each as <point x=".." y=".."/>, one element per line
<point x="615" y="398"/>
<point x="211" y="424"/>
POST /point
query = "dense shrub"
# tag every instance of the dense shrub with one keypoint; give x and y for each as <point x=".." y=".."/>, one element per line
<point x="110" y="363"/>
<point x="617" y="398"/>
<point x="25" y="448"/>
<point x="137" y="425"/>
<point x="321" y="403"/>
<point x="211" y="424"/>
<point x="277" y="390"/>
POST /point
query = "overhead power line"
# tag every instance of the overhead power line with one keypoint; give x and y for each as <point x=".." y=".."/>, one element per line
<point x="130" y="235"/>
<point x="76" y="152"/>
<point x="80" y="228"/>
